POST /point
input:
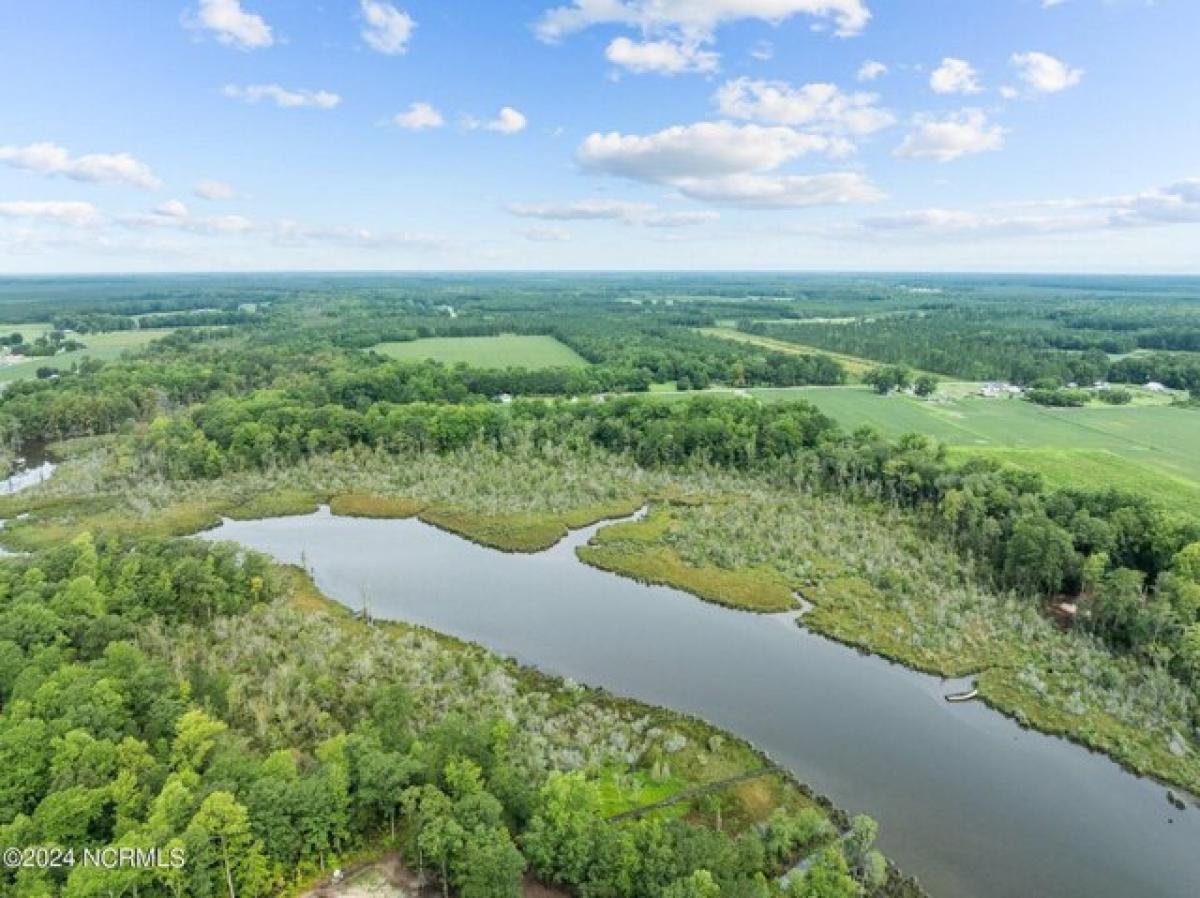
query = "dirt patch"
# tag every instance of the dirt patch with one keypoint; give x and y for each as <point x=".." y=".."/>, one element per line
<point x="389" y="878"/>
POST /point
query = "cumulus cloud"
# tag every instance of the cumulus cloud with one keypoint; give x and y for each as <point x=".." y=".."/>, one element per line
<point x="419" y="117"/>
<point x="1044" y="74"/>
<point x="701" y="150"/>
<point x="754" y="191"/>
<point x="822" y="107"/>
<point x="696" y="19"/>
<point x="663" y="57"/>
<point x="955" y="76"/>
<point x="386" y="29"/>
<point x="951" y="137"/>
<point x="871" y="70"/>
<point x="1174" y="204"/>
<point x="721" y="162"/>
<point x="646" y="214"/>
<point x="282" y="97"/>
<point x="175" y="215"/>
<point x="51" y="159"/>
<point x="507" y="121"/>
<point x="231" y="24"/>
<point x="75" y="214"/>
<point x="214" y="190"/>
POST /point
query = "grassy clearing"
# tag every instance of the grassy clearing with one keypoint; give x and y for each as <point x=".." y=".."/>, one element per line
<point x="1095" y="467"/>
<point x="503" y="351"/>
<point x="104" y="347"/>
<point x="1150" y="448"/>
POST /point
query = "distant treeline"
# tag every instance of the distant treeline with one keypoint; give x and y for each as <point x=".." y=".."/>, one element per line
<point x="103" y="322"/>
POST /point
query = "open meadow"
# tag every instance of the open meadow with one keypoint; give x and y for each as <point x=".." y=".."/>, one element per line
<point x="105" y="347"/>
<point x="503" y="351"/>
<point x="1145" y="448"/>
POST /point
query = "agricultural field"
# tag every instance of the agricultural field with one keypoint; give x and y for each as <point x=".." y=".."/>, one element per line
<point x="1148" y="448"/>
<point x="855" y="367"/>
<point x="104" y="347"/>
<point x="503" y="351"/>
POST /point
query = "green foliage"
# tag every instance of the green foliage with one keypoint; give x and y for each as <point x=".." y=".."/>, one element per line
<point x="887" y="378"/>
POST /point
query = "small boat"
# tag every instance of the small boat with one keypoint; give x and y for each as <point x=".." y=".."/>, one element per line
<point x="962" y="696"/>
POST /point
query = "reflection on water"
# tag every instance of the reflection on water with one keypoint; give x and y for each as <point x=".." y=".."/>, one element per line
<point x="25" y="478"/>
<point x="967" y="801"/>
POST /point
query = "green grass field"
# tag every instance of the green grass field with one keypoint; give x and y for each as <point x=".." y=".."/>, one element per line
<point x="504" y="351"/>
<point x="1148" y="448"/>
<point x="99" y="346"/>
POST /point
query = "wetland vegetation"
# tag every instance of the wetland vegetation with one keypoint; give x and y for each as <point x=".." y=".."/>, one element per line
<point x="194" y="691"/>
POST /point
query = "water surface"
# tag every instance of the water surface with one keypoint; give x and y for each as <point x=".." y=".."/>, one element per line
<point x="967" y="801"/>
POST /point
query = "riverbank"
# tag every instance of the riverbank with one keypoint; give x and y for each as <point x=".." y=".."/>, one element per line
<point x="878" y="600"/>
<point x="964" y="797"/>
<point x="694" y="771"/>
<point x="874" y="582"/>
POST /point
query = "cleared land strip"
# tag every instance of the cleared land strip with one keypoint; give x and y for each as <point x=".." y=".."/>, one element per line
<point x="695" y="792"/>
<point x="855" y="366"/>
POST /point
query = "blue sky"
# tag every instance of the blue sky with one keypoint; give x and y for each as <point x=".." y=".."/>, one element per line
<point x="993" y="135"/>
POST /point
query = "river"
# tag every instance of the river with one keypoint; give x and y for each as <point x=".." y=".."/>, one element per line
<point x="967" y="801"/>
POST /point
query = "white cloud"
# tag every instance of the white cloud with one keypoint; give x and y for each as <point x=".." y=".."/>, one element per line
<point x="1174" y="204"/>
<point x="945" y="139"/>
<point x="646" y="214"/>
<point x="1044" y="74"/>
<point x="664" y="57"/>
<point x="51" y="159"/>
<point x="75" y="214"/>
<point x="419" y="117"/>
<point x="172" y="209"/>
<point x="231" y="24"/>
<point x="291" y="233"/>
<point x="686" y="219"/>
<point x="721" y="162"/>
<point x="822" y="107"/>
<point x="871" y="70"/>
<point x="754" y="191"/>
<point x="507" y="121"/>
<point x="955" y="76"/>
<point x="582" y="210"/>
<point x="696" y="19"/>
<point x="175" y="215"/>
<point x="701" y="150"/>
<point x="546" y="235"/>
<point x="214" y="190"/>
<point x="1047" y="4"/>
<point x="763" y="51"/>
<point x="282" y="97"/>
<point x="387" y="29"/>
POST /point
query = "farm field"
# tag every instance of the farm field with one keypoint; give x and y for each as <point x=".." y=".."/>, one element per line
<point x="1143" y="447"/>
<point x="504" y="351"/>
<point x="855" y="366"/>
<point x="98" y="346"/>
